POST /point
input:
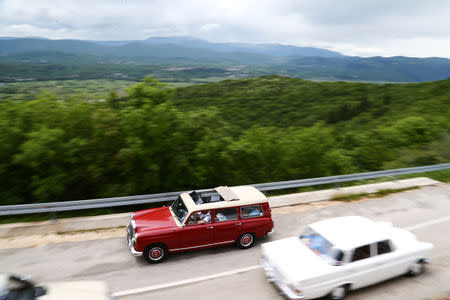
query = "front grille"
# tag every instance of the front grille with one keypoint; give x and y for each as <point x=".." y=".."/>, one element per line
<point x="131" y="232"/>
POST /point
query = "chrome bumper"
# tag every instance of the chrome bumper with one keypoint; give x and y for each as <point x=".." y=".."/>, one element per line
<point x="134" y="252"/>
<point x="130" y="236"/>
<point x="273" y="277"/>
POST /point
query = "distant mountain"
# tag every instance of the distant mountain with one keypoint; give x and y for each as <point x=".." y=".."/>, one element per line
<point x="267" y="49"/>
<point x="390" y="69"/>
<point x="136" y="51"/>
<point x="161" y="47"/>
<point x="21" y="45"/>
<point x="228" y="60"/>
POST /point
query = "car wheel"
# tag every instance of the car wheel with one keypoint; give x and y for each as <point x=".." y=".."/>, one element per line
<point x="415" y="269"/>
<point x="155" y="253"/>
<point x="246" y="240"/>
<point x="338" y="293"/>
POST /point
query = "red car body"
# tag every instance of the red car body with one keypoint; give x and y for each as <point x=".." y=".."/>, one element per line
<point x="240" y="215"/>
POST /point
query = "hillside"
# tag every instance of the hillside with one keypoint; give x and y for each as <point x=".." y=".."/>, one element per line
<point x="155" y="139"/>
<point x="291" y="102"/>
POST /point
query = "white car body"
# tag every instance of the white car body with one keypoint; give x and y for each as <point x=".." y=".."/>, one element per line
<point x="302" y="273"/>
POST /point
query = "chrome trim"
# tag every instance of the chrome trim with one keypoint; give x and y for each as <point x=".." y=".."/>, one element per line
<point x="134" y="252"/>
<point x="132" y="237"/>
<point x="205" y="245"/>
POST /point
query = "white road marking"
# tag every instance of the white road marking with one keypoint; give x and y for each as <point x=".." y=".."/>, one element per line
<point x="183" y="282"/>
<point x="237" y="271"/>
<point x="429" y="223"/>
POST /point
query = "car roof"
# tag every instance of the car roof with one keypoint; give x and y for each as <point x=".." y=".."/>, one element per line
<point x="349" y="232"/>
<point x="233" y="196"/>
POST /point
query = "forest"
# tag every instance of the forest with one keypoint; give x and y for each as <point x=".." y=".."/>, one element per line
<point x="155" y="138"/>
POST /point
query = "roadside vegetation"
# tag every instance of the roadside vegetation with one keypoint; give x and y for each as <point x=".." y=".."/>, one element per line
<point x="151" y="138"/>
<point x="359" y="196"/>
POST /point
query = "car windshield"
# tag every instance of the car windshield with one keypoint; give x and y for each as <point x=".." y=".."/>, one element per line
<point x="322" y="247"/>
<point x="179" y="209"/>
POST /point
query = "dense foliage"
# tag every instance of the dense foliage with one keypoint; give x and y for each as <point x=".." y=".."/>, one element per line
<point x="158" y="139"/>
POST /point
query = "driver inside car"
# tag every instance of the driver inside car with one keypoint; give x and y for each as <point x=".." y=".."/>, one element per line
<point x="200" y="218"/>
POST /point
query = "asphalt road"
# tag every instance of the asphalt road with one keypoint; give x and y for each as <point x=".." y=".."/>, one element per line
<point x="426" y="211"/>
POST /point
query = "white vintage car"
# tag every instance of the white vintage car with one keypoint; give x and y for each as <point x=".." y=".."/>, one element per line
<point x="341" y="254"/>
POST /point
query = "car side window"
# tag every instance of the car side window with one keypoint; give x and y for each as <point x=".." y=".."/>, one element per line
<point x="199" y="217"/>
<point x="251" y="211"/>
<point x="360" y="253"/>
<point x="225" y="214"/>
<point x="383" y="247"/>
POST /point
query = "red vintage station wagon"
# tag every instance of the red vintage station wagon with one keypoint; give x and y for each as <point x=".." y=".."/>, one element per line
<point x="197" y="220"/>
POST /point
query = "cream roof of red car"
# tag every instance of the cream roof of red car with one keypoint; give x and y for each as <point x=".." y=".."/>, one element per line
<point x="233" y="196"/>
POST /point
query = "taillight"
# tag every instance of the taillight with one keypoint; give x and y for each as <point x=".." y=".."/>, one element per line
<point x="294" y="289"/>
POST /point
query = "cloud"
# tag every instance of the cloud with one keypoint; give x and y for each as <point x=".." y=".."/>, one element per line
<point x="366" y="28"/>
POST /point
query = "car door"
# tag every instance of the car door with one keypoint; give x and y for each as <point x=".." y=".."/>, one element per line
<point x="226" y="225"/>
<point x="196" y="234"/>
<point x="387" y="261"/>
<point x="361" y="269"/>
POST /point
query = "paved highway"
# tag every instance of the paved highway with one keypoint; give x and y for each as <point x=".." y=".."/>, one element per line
<point x="230" y="273"/>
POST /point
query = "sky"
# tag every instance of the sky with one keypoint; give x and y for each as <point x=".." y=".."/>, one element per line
<point x="417" y="28"/>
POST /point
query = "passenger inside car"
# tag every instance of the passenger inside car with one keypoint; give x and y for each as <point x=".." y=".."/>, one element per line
<point x="226" y="214"/>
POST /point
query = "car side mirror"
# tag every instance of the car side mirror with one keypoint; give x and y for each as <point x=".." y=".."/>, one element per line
<point x="39" y="291"/>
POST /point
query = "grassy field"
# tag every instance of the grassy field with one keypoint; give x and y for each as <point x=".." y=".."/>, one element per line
<point x="87" y="89"/>
<point x="91" y="89"/>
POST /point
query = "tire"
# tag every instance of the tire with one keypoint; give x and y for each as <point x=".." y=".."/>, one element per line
<point x="155" y="253"/>
<point x="338" y="293"/>
<point x="245" y="241"/>
<point x="415" y="269"/>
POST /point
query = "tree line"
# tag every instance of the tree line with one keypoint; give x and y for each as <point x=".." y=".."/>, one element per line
<point x="160" y="139"/>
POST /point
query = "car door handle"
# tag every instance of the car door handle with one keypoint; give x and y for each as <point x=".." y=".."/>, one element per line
<point x="238" y="224"/>
<point x="210" y="227"/>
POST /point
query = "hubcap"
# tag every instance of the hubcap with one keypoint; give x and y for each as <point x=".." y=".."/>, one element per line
<point x="156" y="253"/>
<point x="416" y="268"/>
<point x="339" y="293"/>
<point x="246" y="240"/>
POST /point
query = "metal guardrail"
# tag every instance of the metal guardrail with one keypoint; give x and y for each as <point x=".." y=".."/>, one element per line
<point x="167" y="197"/>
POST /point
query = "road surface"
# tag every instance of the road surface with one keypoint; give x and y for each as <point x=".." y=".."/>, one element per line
<point x="215" y="273"/>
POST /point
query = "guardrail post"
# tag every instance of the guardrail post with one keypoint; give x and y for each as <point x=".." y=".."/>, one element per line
<point x="53" y="218"/>
<point x="337" y="185"/>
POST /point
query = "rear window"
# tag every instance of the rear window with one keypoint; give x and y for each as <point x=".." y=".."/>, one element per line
<point x="383" y="247"/>
<point x="251" y="211"/>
